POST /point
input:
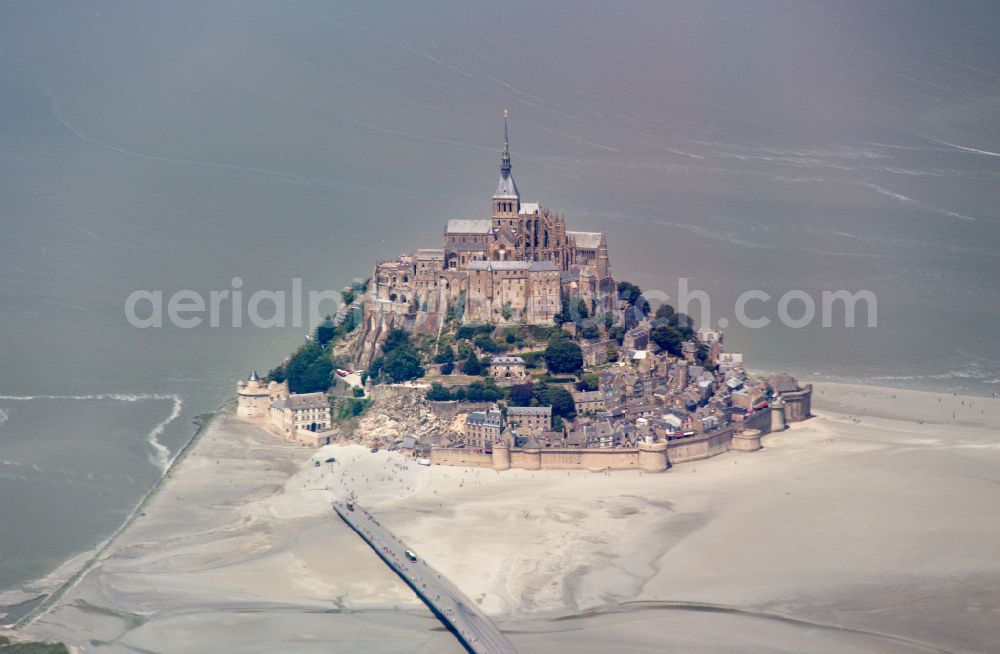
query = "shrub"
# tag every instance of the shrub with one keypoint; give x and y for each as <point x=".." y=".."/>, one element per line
<point x="438" y="393"/>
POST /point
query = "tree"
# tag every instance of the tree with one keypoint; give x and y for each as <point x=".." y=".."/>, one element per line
<point x="309" y="370"/>
<point x="564" y="311"/>
<point x="438" y="393"/>
<point x="402" y="364"/>
<point x="487" y="344"/>
<point x="588" y="382"/>
<point x="277" y="374"/>
<point x="667" y="338"/>
<point x="447" y="355"/>
<point x="683" y="324"/>
<point x="612" y="354"/>
<point x="589" y="331"/>
<point x="374" y="369"/>
<point x="448" y="368"/>
<point x="479" y="391"/>
<point x="394" y="339"/>
<point x="628" y="292"/>
<point x="664" y="311"/>
<point x="472" y="365"/>
<point x="520" y="394"/>
<point x="558" y="398"/>
<point x="563" y="355"/>
<point x="618" y="333"/>
<point x="325" y="331"/>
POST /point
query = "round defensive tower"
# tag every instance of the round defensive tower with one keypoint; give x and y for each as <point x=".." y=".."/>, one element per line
<point x="652" y="456"/>
<point x="501" y="455"/>
<point x="253" y="399"/>
<point x="777" y="414"/>
<point x="533" y="458"/>
<point x="746" y="440"/>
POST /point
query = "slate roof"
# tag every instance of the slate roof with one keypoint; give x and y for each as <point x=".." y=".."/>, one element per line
<point x="506" y="188"/>
<point x="469" y="226"/>
<point x="503" y="360"/>
<point x="303" y="401"/>
<point x="783" y="383"/>
<point x="588" y="240"/>
<point x="529" y="411"/>
<point x="500" y="265"/>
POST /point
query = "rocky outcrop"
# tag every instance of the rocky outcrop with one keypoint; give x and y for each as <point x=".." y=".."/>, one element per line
<point x="397" y="412"/>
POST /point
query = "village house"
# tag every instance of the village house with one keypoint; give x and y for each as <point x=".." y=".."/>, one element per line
<point x="508" y="369"/>
<point x="530" y="420"/>
<point x="306" y="412"/>
<point x="589" y="401"/>
<point x="483" y="428"/>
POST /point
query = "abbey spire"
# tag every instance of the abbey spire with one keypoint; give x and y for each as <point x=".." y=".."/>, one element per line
<point x="506" y="200"/>
<point x="505" y="162"/>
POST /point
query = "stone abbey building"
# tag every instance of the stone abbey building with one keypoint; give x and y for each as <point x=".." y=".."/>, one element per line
<point x="508" y="269"/>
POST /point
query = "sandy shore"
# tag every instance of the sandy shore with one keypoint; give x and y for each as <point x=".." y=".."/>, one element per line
<point x="874" y="527"/>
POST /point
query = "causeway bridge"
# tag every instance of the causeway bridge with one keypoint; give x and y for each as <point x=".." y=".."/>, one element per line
<point x="474" y="630"/>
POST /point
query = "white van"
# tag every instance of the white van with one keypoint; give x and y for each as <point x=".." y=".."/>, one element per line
<point x="423" y="462"/>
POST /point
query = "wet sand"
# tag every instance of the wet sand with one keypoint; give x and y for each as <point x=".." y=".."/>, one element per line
<point x="874" y="527"/>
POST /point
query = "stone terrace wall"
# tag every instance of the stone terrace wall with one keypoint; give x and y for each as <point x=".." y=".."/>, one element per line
<point x="688" y="449"/>
<point x="590" y="459"/>
<point x="460" y="456"/>
<point x="700" y="447"/>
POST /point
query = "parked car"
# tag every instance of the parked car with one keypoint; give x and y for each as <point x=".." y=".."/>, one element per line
<point x="374" y="450"/>
<point x="331" y="460"/>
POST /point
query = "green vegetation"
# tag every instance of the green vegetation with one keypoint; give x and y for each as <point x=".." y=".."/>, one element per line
<point x="667" y="338"/>
<point x="7" y="647"/>
<point x="469" y="332"/>
<point x="472" y="365"/>
<point x="309" y="370"/>
<point x="326" y="331"/>
<point x="346" y="408"/>
<point x="563" y="355"/>
<point x="588" y="382"/>
<point x="543" y="394"/>
<point x="477" y="391"/>
<point x="446" y="357"/>
<point x="399" y="361"/>
<point x="617" y="332"/>
<point x="487" y="344"/>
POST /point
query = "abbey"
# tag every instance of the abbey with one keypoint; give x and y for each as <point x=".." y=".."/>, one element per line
<point x="508" y="269"/>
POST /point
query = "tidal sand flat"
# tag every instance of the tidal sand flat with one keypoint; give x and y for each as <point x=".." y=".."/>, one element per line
<point x="239" y="551"/>
<point x="873" y="527"/>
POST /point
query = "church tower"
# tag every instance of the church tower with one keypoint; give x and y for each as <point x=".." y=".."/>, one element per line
<point x="506" y="200"/>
